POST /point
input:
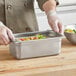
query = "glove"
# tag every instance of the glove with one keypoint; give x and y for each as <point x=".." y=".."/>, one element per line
<point x="5" y="34"/>
<point x="54" y="22"/>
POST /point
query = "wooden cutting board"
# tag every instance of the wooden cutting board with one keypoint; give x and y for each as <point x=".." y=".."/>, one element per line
<point x="63" y="64"/>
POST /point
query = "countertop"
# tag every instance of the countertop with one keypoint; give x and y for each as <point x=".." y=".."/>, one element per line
<point x="63" y="64"/>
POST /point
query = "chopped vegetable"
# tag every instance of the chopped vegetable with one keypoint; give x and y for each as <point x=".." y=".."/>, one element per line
<point x="74" y="31"/>
<point x="38" y="36"/>
<point x="70" y="31"/>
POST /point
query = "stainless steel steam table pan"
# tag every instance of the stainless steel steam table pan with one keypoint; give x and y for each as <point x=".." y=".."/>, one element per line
<point x="36" y="48"/>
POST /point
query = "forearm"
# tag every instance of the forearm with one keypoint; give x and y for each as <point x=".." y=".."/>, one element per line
<point x="50" y="9"/>
<point x="49" y="5"/>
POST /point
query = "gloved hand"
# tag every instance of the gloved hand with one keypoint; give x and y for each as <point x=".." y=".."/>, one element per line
<point x="5" y="34"/>
<point x="54" y="22"/>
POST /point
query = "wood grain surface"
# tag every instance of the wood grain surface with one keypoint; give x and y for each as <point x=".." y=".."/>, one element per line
<point x="63" y="64"/>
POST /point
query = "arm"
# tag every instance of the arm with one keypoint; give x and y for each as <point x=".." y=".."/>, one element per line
<point x="50" y="9"/>
<point x="49" y="5"/>
<point x="42" y="2"/>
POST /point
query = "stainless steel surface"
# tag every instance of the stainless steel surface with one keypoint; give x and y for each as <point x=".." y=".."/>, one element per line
<point x="71" y="37"/>
<point x="36" y="48"/>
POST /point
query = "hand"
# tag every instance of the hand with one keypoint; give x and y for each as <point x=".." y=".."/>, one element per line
<point x="54" y="22"/>
<point x="5" y="34"/>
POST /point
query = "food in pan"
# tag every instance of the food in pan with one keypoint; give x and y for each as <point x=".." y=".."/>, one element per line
<point x="38" y="36"/>
<point x="70" y="30"/>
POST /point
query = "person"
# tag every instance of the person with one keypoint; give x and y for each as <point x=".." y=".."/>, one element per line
<point x="18" y="16"/>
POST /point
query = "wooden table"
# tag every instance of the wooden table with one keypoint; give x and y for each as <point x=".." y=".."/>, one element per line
<point x="59" y="65"/>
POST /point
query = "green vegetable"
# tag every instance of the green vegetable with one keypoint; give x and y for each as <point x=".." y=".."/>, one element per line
<point x="40" y="36"/>
<point x="74" y="31"/>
